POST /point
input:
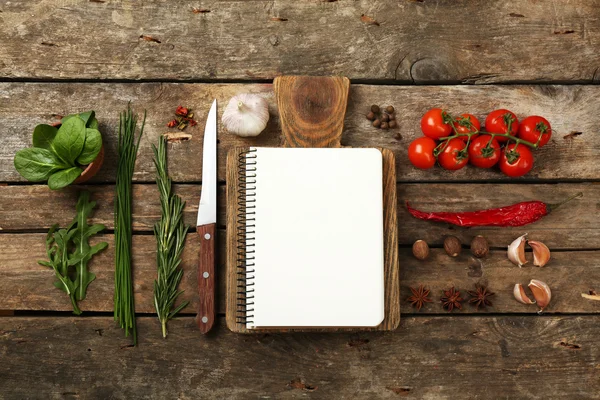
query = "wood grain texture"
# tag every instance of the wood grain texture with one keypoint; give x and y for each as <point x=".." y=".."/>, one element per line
<point x="568" y="108"/>
<point x="574" y="226"/>
<point x="311" y="109"/>
<point x="234" y="308"/>
<point x="205" y="316"/>
<point x="407" y="41"/>
<point x="427" y="358"/>
<point x="25" y="285"/>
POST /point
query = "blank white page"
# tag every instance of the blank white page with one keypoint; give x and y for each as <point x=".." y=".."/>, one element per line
<point x="318" y="238"/>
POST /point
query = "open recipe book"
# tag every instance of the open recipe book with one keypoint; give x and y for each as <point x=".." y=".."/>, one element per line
<point x="311" y="238"/>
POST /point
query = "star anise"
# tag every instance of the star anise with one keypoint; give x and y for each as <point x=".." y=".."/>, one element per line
<point x="420" y="297"/>
<point x="480" y="297"/>
<point x="451" y="299"/>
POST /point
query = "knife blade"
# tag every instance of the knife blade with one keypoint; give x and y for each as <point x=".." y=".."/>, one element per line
<point x="206" y="225"/>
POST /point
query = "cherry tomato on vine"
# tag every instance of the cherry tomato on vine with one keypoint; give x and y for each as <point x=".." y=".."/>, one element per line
<point x="467" y="123"/>
<point x="454" y="156"/>
<point x="420" y="152"/>
<point x="434" y="124"/>
<point x="531" y="128"/>
<point x="497" y="122"/>
<point x="516" y="162"/>
<point x="483" y="153"/>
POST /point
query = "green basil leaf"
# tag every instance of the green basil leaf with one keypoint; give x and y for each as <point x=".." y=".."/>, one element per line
<point x="91" y="147"/>
<point x="63" y="178"/>
<point x="69" y="140"/>
<point x="92" y="123"/>
<point x="36" y="164"/>
<point x="87" y="116"/>
<point x="43" y="135"/>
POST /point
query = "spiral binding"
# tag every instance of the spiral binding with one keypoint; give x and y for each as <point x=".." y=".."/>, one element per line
<point x="245" y="235"/>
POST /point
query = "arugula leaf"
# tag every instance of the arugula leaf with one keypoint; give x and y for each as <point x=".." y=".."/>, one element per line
<point x="91" y="148"/>
<point x="69" y="140"/>
<point x="43" y="135"/>
<point x="64" y="177"/>
<point x="83" y="251"/>
<point x="36" y="164"/>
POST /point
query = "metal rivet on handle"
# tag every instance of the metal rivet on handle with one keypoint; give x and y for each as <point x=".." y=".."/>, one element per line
<point x="205" y="319"/>
<point x="205" y="275"/>
<point x="207" y="236"/>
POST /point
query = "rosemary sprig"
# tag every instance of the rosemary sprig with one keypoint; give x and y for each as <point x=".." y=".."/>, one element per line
<point x="127" y="151"/>
<point x="170" y="234"/>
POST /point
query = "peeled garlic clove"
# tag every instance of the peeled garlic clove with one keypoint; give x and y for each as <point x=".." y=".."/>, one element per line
<point x="516" y="251"/>
<point x="541" y="292"/>
<point x="520" y="295"/>
<point x="541" y="253"/>
<point x="246" y="115"/>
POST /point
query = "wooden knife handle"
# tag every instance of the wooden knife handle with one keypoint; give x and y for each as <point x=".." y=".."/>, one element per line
<point x="206" y="278"/>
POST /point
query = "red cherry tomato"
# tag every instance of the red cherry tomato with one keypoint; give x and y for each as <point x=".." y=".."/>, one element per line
<point x="531" y="128"/>
<point x="467" y="123"/>
<point x="497" y="122"/>
<point x="420" y="152"/>
<point x="454" y="156"/>
<point x="483" y="153"/>
<point x="433" y="124"/>
<point x="516" y="162"/>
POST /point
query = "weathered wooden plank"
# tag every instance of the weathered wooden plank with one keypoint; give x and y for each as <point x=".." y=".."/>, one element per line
<point x="568" y="108"/>
<point x="27" y="286"/>
<point x="410" y="41"/>
<point x="427" y="358"/>
<point x="574" y="226"/>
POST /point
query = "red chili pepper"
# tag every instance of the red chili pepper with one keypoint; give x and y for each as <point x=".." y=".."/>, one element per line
<point x="183" y="111"/>
<point x="514" y="215"/>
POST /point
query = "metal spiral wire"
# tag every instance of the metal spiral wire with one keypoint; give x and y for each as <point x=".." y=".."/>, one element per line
<point x="246" y="196"/>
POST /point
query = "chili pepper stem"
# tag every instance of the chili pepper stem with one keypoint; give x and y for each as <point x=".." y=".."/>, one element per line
<point x="556" y="205"/>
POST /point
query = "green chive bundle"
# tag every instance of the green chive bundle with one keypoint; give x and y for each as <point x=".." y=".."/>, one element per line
<point x="170" y="234"/>
<point x="127" y="153"/>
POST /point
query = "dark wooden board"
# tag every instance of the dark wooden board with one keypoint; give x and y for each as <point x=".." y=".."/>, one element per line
<point x="568" y="108"/>
<point x="426" y="358"/>
<point x="408" y="41"/>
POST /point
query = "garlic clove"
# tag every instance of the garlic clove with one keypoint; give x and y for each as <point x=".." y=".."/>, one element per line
<point x="520" y="295"/>
<point x="541" y="293"/>
<point x="516" y="251"/>
<point x="246" y="115"/>
<point x="541" y="253"/>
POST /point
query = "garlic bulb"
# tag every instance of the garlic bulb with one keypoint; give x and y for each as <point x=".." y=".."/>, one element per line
<point x="516" y="251"/>
<point x="246" y="115"/>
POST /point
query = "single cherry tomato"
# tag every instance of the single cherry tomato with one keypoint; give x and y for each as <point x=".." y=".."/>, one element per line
<point x="420" y="152"/>
<point x="434" y="124"/>
<point x="467" y="123"/>
<point x="531" y="128"/>
<point x="516" y="162"/>
<point x="484" y="153"/>
<point x="454" y="156"/>
<point x="497" y="122"/>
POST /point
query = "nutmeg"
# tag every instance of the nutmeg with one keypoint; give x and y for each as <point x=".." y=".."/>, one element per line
<point x="452" y="246"/>
<point x="420" y="249"/>
<point x="479" y="246"/>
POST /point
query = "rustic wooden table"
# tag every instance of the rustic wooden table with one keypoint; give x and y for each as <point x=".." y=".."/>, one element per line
<point x="534" y="57"/>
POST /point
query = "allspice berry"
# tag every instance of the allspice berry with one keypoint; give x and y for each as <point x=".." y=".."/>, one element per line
<point x="479" y="246"/>
<point x="375" y="109"/>
<point x="392" y="117"/>
<point x="389" y="109"/>
<point x="385" y="118"/>
<point x="371" y="116"/>
<point x="377" y="123"/>
<point x="393" y="124"/>
<point x="452" y="246"/>
<point x="420" y="250"/>
<point x="384" y="125"/>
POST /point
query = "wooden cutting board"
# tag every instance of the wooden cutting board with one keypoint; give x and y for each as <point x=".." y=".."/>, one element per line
<point x="312" y="111"/>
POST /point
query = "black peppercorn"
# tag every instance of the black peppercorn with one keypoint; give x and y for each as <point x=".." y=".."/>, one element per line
<point x="375" y="109"/>
<point x="371" y="116"/>
<point x="389" y="109"/>
<point x="384" y="125"/>
<point x="385" y="118"/>
<point x="393" y="124"/>
<point x="376" y="123"/>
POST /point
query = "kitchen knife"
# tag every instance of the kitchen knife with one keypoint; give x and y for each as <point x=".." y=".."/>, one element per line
<point x="206" y="223"/>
